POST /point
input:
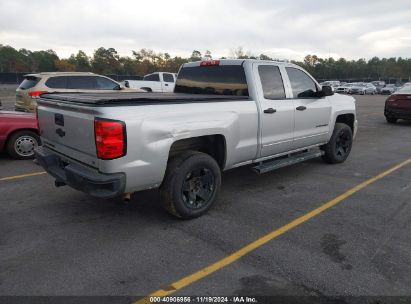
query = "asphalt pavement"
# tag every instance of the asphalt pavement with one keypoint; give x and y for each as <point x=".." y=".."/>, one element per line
<point x="58" y="241"/>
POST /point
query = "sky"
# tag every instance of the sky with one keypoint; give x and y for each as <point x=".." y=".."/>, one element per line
<point x="280" y="29"/>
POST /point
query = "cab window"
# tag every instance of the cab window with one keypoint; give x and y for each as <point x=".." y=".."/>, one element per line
<point x="168" y="77"/>
<point x="271" y="82"/>
<point x="152" y="77"/>
<point x="301" y="84"/>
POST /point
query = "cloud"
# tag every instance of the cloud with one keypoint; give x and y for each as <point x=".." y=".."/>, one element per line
<point x="291" y="29"/>
<point x="388" y="41"/>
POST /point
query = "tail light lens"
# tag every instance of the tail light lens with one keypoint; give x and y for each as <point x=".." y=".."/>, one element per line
<point x="110" y="136"/>
<point x="37" y="93"/>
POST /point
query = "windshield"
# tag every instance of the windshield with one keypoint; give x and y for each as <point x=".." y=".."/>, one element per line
<point x="405" y="89"/>
<point x="216" y="80"/>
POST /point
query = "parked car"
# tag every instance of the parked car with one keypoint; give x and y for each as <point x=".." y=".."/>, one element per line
<point x="362" y="89"/>
<point x="332" y="83"/>
<point x="223" y="114"/>
<point x="370" y="89"/>
<point x="35" y="84"/>
<point x="161" y="82"/>
<point x="357" y="88"/>
<point x="18" y="134"/>
<point x="398" y="105"/>
<point x="388" y="89"/>
<point x="343" y="88"/>
<point x="378" y="85"/>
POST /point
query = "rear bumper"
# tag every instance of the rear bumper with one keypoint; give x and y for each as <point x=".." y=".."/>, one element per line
<point x="80" y="177"/>
<point x="397" y="113"/>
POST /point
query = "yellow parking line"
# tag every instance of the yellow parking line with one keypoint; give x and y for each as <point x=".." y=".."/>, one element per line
<point x="200" y="274"/>
<point x="22" y="176"/>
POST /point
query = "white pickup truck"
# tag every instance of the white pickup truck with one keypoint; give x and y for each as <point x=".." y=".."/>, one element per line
<point x="161" y="82"/>
<point x="222" y="115"/>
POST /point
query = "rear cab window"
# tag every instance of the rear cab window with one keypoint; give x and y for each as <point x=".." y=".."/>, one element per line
<point x="168" y="77"/>
<point x="29" y="82"/>
<point x="152" y="77"/>
<point x="215" y="80"/>
<point x="271" y="82"/>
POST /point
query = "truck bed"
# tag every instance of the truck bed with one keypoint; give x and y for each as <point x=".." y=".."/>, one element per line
<point x="131" y="98"/>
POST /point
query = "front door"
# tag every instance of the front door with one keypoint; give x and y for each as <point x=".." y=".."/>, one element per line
<point x="312" y="112"/>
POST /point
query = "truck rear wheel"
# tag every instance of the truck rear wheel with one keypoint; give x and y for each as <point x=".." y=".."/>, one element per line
<point x="191" y="184"/>
<point x="339" y="146"/>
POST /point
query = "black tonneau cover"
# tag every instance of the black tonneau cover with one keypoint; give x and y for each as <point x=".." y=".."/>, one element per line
<point x="136" y="98"/>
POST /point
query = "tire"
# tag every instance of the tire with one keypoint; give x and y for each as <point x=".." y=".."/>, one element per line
<point x="391" y="119"/>
<point x="21" y="144"/>
<point x="340" y="144"/>
<point x="191" y="184"/>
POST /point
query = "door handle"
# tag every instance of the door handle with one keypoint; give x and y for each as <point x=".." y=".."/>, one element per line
<point x="270" y="111"/>
<point x="301" y="108"/>
<point x="166" y="85"/>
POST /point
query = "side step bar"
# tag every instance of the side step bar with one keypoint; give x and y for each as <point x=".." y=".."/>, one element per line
<point x="288" y="161"/>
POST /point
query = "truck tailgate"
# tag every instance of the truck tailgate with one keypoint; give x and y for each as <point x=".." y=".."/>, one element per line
<point x="69" y="131"/>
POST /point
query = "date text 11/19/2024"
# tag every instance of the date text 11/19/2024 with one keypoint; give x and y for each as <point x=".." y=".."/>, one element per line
<point x="209" y="299"/>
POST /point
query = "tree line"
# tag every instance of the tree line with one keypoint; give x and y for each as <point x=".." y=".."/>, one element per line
<point x="108" y="61"/>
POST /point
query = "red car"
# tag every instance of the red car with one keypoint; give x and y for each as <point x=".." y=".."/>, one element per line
<point x="398" y="105"/>
<point x="18" y="134"/>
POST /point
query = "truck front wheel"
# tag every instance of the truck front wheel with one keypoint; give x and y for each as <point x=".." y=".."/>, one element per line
<point x="339" y="146"/>
<point x="191" y="184"/>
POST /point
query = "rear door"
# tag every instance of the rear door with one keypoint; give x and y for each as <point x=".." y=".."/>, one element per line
<point x="168" y="82"/>
<point x="153" y="82"/>
<point x="312" y="113"/>
<point x="276" y="111"/>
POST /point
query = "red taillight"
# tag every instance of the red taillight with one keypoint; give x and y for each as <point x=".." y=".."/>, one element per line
<point x="37" y="93"/>
<point x="210" y="62"/>
<point x="110" y="138"/>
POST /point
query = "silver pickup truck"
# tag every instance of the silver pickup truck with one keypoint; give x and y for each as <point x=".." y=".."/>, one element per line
<point x="223" y="114"/>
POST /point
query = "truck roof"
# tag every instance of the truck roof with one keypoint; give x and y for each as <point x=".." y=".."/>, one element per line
<point x="239" y="62"/>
